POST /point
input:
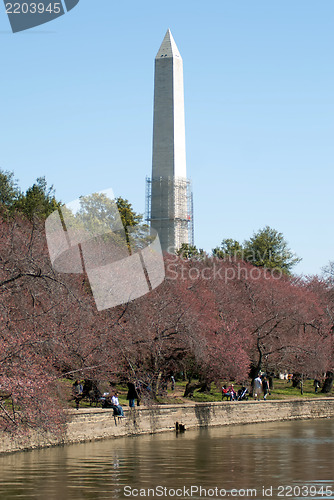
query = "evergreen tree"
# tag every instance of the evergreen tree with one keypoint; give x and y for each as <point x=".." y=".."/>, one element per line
<point x="129" y="217"/>
<point x="229" y="249"/>
<point x="9" y="191"/>
<point x="268" y="248"/>
<point x="187" y="251"/>
<point x="39" y="200"/>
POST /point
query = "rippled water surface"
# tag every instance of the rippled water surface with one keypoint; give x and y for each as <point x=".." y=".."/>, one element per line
<point x="288" y="460"/>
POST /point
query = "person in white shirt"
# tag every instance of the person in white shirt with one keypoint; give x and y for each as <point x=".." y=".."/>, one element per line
<point x="115" y="402"/>
<point x="257" y="390"/>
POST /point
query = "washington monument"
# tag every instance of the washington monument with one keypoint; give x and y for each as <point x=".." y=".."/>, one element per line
<point x="169" y="196"/>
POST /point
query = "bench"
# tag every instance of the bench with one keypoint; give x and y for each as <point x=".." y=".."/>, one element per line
<point x="116" y="415"/>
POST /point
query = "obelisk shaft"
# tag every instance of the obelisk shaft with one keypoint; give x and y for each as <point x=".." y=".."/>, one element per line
<point x="169" y="144"/>
<point x="169" y="184"/>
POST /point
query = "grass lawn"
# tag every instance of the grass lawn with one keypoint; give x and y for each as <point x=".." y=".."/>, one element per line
<point x="282" y="390"/>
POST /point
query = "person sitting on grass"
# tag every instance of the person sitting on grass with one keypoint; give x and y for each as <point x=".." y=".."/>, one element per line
<point x="116" y="404"/>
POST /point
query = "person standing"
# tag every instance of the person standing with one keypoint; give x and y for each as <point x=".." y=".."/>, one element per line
<point x="132" y="394"/>
<point x="257" y="388"/>
<point x="265" y="387"/>
<point x="77" y="393"/>
<point x="316" y="385"/>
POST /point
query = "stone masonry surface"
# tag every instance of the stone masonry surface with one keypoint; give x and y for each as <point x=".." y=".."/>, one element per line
<point x="91" y="424"/>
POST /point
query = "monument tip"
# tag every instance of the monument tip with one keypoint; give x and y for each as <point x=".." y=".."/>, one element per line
<point x="168" y="47"/>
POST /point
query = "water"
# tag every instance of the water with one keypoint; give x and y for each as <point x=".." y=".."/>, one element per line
<point x="289" y="460"/>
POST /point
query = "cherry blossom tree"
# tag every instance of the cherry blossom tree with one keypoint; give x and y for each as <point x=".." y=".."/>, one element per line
<point x="49" y="326"/>
<point x="211" y="318"/>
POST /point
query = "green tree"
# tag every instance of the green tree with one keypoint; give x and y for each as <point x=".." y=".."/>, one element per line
<point x="268" y="248"/>
<point x="137" y="233"/>
<point x="39" y="200"/>
<point x="129" y="217"/>
<point x="187" y="251"/>
<point x="229" y="249"/>
<point x="100" y="214"/>
<point x="9" y="191"/>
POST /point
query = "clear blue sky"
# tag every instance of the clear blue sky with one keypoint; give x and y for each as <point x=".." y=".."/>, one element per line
<point x="77" y="107"/>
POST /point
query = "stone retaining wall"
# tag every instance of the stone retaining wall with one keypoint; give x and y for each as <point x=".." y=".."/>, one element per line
<point x="94" y="423"/>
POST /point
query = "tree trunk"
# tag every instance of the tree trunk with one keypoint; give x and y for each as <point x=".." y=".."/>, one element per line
<point x="296" y="380"/>
<point x="328" y="384"/>
<point x="254" y="372"/>
<point x="155" y="382"/>
<point x="205" y="387"/>
<point x="190" y="388"/>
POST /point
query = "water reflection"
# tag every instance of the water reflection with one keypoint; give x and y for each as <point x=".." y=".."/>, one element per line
<point x="292" y="454"/>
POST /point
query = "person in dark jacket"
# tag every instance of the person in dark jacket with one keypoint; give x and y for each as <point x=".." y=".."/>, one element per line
<point x="132" y="394"/>
<point x="265" y="387"/>
<point x="77" y="390"/>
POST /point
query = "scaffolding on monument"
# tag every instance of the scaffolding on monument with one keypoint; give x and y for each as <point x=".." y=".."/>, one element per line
<point x="172" y="197"/>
